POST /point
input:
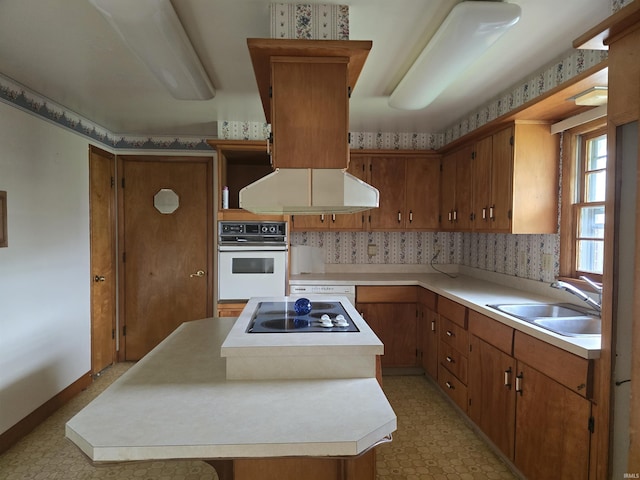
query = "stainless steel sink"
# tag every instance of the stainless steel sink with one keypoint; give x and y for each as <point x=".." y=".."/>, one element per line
<point x="562" y="318"/>
<point x="571" y="326"/>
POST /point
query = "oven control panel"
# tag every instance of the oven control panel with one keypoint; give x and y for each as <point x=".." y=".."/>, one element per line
<point x="260" y="232"/>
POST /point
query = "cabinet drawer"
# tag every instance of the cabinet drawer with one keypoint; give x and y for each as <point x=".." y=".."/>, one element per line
<point x="566" y="368"/>
<point x="454" y="361"/>
<point x="453" y="387"/>
<point x="453" y="311"/>
<point x="394" y="294"/>
<point x="454" y="335"/>
<point x="491" y="331"/>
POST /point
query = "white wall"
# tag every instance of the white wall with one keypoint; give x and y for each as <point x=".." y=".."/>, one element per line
<point x="44" y="273"/>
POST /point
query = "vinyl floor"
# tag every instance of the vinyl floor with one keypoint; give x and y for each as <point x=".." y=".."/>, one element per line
<point x="432" y="443"/>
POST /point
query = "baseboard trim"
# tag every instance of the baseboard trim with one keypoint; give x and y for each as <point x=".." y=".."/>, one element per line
<point x="40" y="414"/>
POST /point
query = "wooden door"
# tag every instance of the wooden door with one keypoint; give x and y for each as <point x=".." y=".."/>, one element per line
<point x="552" y="434"/>
<point x="353" y="221"/>
<point x="167" y="251"/>
<point x="387" y="175"/>
<point x="482" y="184"/>
<point x="491" y="390"/>
<point x="102" y="201"/>
<point x="502" y="181"/>
<point x="422" y="203"/>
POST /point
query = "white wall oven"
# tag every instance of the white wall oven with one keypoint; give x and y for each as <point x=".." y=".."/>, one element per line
<point x="252" y="260"/>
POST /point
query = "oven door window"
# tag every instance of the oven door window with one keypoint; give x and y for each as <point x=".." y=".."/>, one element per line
<point x="252" y="265"/>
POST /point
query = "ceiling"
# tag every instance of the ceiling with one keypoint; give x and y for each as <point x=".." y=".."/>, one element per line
<point x="65" y="51"/>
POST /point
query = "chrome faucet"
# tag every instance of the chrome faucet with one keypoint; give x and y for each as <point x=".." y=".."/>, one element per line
<point x="560" y="285"/>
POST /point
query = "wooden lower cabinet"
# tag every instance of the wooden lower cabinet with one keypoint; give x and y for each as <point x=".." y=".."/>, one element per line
<point x="230" y="309"/>
<point x="429" y="338"/>
<point x="538" y="416"/>
<point x="392" y="313"/>
<point x="492" y="401"/>
<point x="396" y="326"/>
<point x="552" y="429"/>
<point x="362" y="467"/>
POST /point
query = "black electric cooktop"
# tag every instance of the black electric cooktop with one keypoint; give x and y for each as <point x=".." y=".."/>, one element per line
<point x="280" y="317"/>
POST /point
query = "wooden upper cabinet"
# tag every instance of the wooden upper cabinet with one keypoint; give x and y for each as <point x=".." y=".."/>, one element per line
<point x="457" y="189"/>
<point x="422" y="193"/>
<point x="387" y="175"/>
<point x="304" y="86"/>
<point x="482" y="157"/>
<point x="310" y="112"/>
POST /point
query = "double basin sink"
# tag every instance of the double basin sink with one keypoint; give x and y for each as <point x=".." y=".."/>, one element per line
<point x="562" y="318"/>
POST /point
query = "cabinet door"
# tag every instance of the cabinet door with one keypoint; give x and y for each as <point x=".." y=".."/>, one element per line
<point x="353" y="221"/>
<point x="422" y="194"/>
<point x="310" y="125"/>
<point x="490" y="387"/>
<point x="387" y="175"/>
<point x="464" y="189"/>
<point x="502" y="181"/>
<point x="552" y="434"/>
<point x="303" y="223"/>
<point x="395" y="324"/>
<point x="482" y="184"/>
<point x="429" y="325"/>
<point x="447" y="191"/>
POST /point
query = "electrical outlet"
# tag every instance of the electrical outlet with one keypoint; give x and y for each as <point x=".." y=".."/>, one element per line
<point x="547" y="262"/>
<point x="372" y="249"/>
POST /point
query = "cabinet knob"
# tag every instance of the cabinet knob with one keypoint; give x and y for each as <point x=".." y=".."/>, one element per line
<point x="450" y="333"/>
<point x="450" y="360"/>
<point x="449" y="385"/>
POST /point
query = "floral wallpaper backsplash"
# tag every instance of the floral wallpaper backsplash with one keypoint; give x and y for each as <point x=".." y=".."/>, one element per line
<point x="516" y="255"/>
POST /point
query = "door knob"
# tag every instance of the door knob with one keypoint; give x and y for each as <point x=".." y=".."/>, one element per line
<point x="98" y="278"/>
<point x="199" y="273"/>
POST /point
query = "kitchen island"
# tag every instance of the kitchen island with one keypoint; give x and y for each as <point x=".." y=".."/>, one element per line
<point x="178" y="403"/>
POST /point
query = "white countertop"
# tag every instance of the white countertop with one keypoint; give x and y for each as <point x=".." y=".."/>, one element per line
<point x="475" y="293"/>
<point x="177" y="403"/>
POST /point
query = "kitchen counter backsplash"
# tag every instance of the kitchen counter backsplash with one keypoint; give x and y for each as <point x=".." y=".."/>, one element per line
<point x="516" y="255"/>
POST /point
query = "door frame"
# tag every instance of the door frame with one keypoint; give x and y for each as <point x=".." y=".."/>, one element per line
<point x="120" y="159"/>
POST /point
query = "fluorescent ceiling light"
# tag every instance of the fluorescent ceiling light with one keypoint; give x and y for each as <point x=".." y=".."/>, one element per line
<point x="152" y="29"/>
<point x="592" y="98"/>
<point x="469" y="30"/>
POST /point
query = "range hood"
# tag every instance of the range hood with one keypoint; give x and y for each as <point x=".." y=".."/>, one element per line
<point x="308" y="191"/>
<point x="305" y="86"/>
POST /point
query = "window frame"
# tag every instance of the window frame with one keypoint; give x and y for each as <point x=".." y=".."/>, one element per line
<point x="572" y="172"/>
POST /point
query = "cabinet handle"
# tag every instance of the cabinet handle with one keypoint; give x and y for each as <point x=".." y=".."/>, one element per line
<point x="450" y="333"/>
<point x="322" y="218"/>
<point x="268" y="147"/>
<point x="484" y="213"/>
<point x="433" y="325"/>
<point x="519" y="383"/>
<point x="491" y="215"/>
<point x="333" y="218"/>
<point x="450" y="360"/>
<point x="399" y="217"/>
<point x="410" y="216"/>
<point x="455" y="215"/>
<point x="507" y="378"/>
<point x="449" y="385"/>
<point x="450" y="215"/>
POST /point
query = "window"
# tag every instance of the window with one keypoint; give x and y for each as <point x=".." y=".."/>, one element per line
<point x="584" y="189"/>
